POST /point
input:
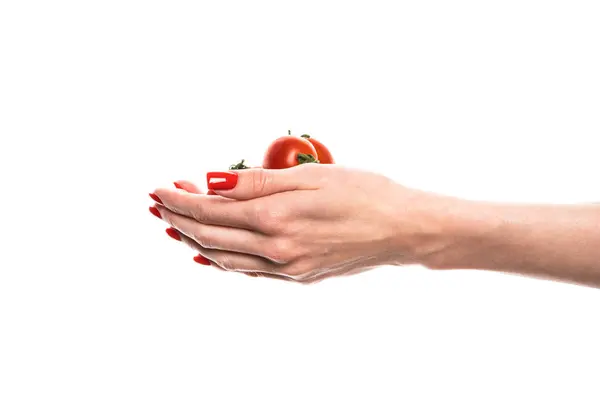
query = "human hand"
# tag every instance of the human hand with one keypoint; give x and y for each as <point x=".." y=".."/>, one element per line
<point x="304" y="224"/>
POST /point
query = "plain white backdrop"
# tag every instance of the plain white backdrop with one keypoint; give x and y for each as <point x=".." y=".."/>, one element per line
<point x="102" y="102"/>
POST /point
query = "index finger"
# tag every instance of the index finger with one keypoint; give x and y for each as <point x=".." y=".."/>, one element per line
<point x="210" y="210"/>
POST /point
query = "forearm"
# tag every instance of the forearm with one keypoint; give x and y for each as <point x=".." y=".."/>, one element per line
<point x="558" y="242"/>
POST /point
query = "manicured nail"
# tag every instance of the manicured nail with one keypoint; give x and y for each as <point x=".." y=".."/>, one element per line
<point x="221" y="180"/>
<point x="155" y="211"/>
<point x="211" y="193"/>
<point x="201" y="260"/>
<point x="173" y="233"/>
<point x="178" y="186"/>
<point x="155" y="198"/>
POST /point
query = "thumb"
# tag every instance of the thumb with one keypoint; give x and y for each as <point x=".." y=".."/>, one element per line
<point x="258" y="182"/>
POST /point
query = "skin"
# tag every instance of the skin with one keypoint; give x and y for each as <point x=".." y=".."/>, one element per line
<point x="312" y="222"/>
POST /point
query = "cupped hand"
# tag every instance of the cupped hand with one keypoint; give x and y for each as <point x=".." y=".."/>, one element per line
<point x="304" y="224"/>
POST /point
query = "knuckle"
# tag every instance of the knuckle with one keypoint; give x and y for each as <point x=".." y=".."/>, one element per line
<point x="260" y="213"/>
<point x="268" y="218"/>
<point x="199" y="214"/>
<point x="272" y="217"/>
<point x="280" y="251"/>
<point x="260" y="181"/>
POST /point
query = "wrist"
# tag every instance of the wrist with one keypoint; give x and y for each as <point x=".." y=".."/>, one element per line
<point x="461" y="236"/>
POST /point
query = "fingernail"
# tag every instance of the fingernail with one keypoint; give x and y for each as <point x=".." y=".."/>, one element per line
<point x="200" y="259"/>
<point x="177" y="185"/>
<point x="211" y="193"/>
<point x="173" y="233"/>
<point x="155" y="198"/>
<point x="155" y="211"/>
<point x="221" y="180"/>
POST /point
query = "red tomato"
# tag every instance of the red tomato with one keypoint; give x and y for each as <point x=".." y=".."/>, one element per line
<point x="289" y="151"/>
<point x="323" y="154"/>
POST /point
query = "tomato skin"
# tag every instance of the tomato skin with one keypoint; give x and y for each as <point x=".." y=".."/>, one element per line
<point x="323" y="154"/>
<point x="283" y="152"/>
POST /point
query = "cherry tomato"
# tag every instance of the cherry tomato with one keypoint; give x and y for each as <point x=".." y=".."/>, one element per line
<point x="289" y="151"/>
<point x="323" y="154"/>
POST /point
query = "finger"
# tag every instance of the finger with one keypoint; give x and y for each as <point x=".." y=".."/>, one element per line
<point x="269" y="276"/>
<point x="230" y="261"/>
<point x="258" y="182"/>
<point x="187" y="186"/>
<point x="210" y="210"/>
<point x="217" y="237"/>
<point x="204" y="261"/>
<point x="250" y="274"/>
<point x="200" y="259"/>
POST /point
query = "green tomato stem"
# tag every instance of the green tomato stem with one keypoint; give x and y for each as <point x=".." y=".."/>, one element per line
<point x="239" y="165"/>
<point x="306" y="159"/>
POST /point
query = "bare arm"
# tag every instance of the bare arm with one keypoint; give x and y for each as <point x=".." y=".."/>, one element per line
<point x="553" y="241"/>
<point x="312" y="222"/>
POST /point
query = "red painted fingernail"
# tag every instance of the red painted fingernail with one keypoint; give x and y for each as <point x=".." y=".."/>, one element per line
<point x="173" y="233"/>
<point x="155" y="198"/>
<point x="178" y="186"/>
<point x="223" y="180"/>
<point x="155" y="212"/>
<point x="211" y="193"/>
<point x="201" y="260"/>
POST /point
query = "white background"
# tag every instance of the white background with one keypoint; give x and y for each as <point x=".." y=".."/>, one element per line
<point x="101" y="102"/>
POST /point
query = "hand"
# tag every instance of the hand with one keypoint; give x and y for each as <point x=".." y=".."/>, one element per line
<point x="305" y="223"/>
